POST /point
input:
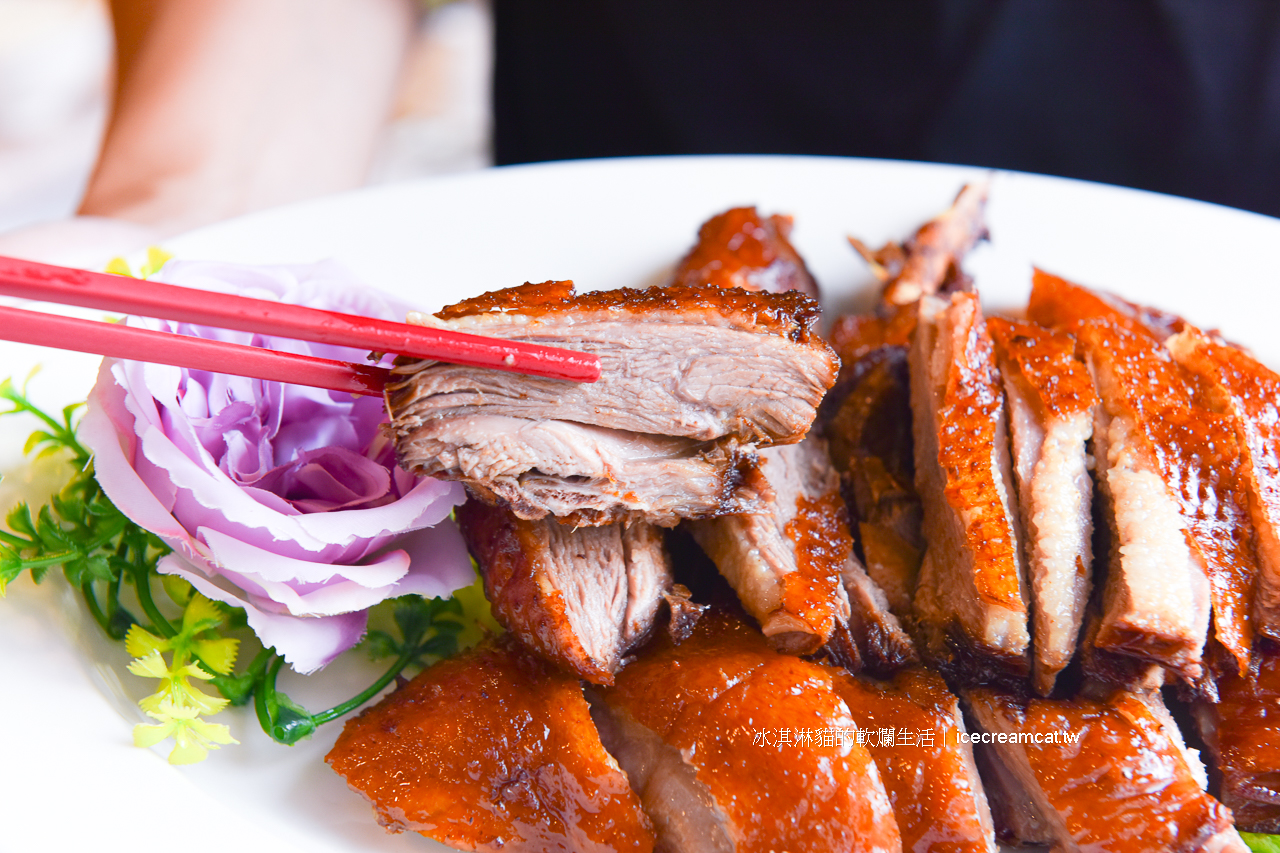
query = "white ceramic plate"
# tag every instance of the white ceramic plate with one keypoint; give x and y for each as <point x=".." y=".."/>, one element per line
<point x="69" y="776"/>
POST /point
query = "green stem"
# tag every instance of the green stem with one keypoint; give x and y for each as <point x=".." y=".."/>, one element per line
<point x="113" y="598"/>
<point x="65" y="435"/>
<point x="142" y="585"/>
<point x="268" y="684"/>
<point x="367" y="694"/>
<point x="16" y="541"/>
<point x="86" y="588"/>
<point x="51" y="560"/>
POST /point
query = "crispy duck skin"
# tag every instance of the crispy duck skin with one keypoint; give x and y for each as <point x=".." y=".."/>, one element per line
<point x="1051" y="402"/>
<point x="701" y="362"/>
<point x="492" y="750"/>
<point x="857" y="335"/>
<point x="933" y="253"/>
<point x="688" y="723"/>
<point x="970" y="601"/>
<point x="1242" y="731"/>
<point x="1171" y="465"/>
<point x="741" y="248"/>
<point x="579" y="598"/>
<point x="1250" y="393"/>
<point x="1127" y="784"/>
<point x="937" y="796"/>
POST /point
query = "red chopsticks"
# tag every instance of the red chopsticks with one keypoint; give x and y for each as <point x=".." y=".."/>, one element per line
<point x="46" y="283"/>
<point x="118" y="341"/>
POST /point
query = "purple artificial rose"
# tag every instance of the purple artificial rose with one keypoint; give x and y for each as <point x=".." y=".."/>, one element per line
<point x="280" y="499"/>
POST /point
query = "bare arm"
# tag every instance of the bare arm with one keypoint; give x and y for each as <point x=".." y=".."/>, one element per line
<point x="227" y="106"/>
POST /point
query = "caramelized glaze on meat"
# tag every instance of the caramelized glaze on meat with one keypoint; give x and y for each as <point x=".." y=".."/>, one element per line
<point x="1174" y="421"/>
<point x="1046" y="361"/>
<point x="791" y="315"/>
<point x="1125" y="785"/>
<point x="721" y="698"/>
<point x="693" y="379"/>
<point x="785" y="559"/>
<point x="492" y="750"/>
<point x="580" y="598"/>
<point x="968" y="426"/>
<point x="1250" y="393"/>
<point x="857" y="335"/>
<point x="741" y="248"/>
<point x="970" y="601"/>
<point x="937" y="795"/>
<point x="1051" y="403"/>
<point x="1243" y="732"/>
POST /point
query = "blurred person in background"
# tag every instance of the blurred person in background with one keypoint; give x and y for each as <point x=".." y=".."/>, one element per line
<point x="227" y="106"/>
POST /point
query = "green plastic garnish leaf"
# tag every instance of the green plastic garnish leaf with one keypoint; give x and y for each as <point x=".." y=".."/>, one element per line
<point x="1259" y="843"/>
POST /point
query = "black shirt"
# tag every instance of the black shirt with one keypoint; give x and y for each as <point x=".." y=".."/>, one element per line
<point x="1178" y="96"/>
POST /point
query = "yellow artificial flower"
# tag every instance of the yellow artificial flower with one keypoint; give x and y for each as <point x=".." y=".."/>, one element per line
<point x="193" y="737"/>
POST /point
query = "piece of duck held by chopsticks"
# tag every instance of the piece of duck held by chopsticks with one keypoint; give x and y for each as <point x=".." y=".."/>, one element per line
<point x="1104" y="774"/>
<point x="693" y="379"/>
<point x="971" y="598"/>
<point x="1242" y="731"/>
<point x="913" y="728"/>
<point x="581" y="598"/>
<point x="734" y="747"/>
<point x="1051" y="400"/>
<point x="1169" y="467"/>
<point x="492" y="750"/>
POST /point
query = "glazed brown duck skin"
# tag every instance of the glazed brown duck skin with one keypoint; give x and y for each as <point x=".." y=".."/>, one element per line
<point x="1126" y="784"/>
<point x="688" y="723"/>
<point x="867" y="415"/>
<point x="492" y="750"/>
<point x="580" y="598"/>
<point x="971" y="599"/>
<point x="1050" y="400"/>
<point x="1249" y="392"/>
<point x="933" y="783"/>
<point x="792" y="563"/>
<point x="1171" y="465"/>
<point x="697" y="362"/>
<point x="1242" y="730"/>
<point x="741" y="248"/>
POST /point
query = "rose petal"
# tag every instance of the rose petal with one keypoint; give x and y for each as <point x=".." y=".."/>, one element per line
<point x="267" y="567"/>
<point x="306" y="643"/>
